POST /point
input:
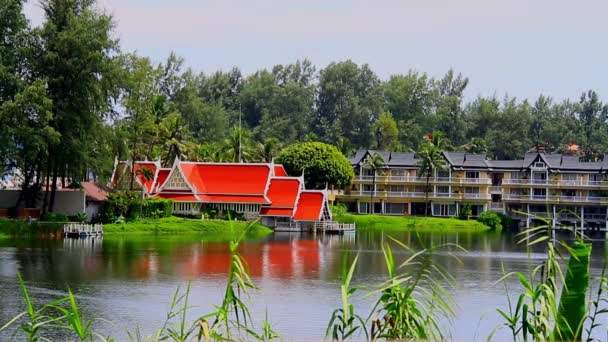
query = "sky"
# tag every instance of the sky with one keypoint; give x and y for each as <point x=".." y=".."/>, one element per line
<point x="522" y="48"/>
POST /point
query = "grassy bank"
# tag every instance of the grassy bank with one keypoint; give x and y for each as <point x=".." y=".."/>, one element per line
<point x="176" y="225"/>
<point x="411" y="223"/>
<point x="171" y="225"/>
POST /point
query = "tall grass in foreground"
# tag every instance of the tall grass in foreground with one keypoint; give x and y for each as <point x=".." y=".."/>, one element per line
<point x="537" y="314"/>
<point x="409" y="303"/>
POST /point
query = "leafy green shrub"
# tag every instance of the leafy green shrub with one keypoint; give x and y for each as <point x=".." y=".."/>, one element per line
<point x="54" y="217"/>
<point x="465" y="212"/>
<point x="82" y="217"/>
<point x="505" y="221"/>
<point x="490" y="219"/>
<point x="157" y="208"/>
<point x="339" y="209"/>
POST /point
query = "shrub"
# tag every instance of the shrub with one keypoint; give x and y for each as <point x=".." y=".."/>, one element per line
<point x="465" y="212"/>
<point x="505" y="221"/>
<point x="82" y="217"/>
<point x="339" y="209"/>
<point x="322" y="164"/>
<point x="157" y="208"/>
<point x="54" y="217"/>
<point x="490" y="219"/>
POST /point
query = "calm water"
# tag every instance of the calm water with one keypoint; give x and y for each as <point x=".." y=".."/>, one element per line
<point x="130" y="281"/>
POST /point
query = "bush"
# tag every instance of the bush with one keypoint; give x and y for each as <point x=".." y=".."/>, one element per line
<point x="505" y="221"/>
<point x="157" y="208"/>
<point x="490" y="219"/>
<point x="339" y="209"/>
<point x="128" y="204"/>
<point x="82" y="217"/>
<point x="321" y="163"/>
<point x="54" y="217"/>
<point x="465" y="212"/>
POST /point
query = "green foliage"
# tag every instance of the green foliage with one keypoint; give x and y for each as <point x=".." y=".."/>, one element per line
<point x="344" y="322"/>
<point x="411" y="223"/>
<point x="54" y="217"/>
<point x="505" y="221"/>
<point x="572" y="310"/>
<point x="385" y="132"/>
<point x="430" y="156"/>
<point x="413" y="298"/>
<point x="129" y="205"/>
<point x="321" y="163"/>
<point x="465" y="211"/>
<point x="490" y="219"/>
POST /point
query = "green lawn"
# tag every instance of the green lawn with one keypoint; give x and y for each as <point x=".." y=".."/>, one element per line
<point x="411" y="223"/>
<point x="176" y="225"/>
<point x="171" y="225"/>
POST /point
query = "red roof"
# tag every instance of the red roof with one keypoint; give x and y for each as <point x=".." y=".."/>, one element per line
<point x="279" y="171"/>
<point x="283" y="192"/>
<point x="233" y="199"/>
<point x="161" y="178"/>
<point x="94" y="192"/>
<point x="242" y="179"/>
<point x="276" y="212"/>
<point x="309" y="206"/>
<point x="147" y="183"/>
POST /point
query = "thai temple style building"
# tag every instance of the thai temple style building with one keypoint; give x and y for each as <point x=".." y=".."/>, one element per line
<point x="556" y="187"/>
<point x="257" y="190"/>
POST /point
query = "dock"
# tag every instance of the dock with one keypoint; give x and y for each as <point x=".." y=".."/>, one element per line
<point x="332" y="227"/>
<point x="82" y="230"/>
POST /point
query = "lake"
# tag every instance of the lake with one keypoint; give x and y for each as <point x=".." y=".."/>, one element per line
<point x="130" y="280"/>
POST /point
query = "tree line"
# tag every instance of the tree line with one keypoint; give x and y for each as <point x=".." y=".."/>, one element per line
<point x="71" y="101"/>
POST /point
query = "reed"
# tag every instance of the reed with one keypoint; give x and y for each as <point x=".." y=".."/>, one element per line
<point x="413" y="298"/>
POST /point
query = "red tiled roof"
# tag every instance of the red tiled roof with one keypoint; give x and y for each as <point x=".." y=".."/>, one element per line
<point x="185" y="197"/>
<point x="276" y="212"/>
<point x="233" y="199"/>
<point x="283" y="192"/>
<point x="309" y="206"/>
<point x="147" y="183"/>
<point x="279" y="171"/>
<point x="161" y="178"/>
<point x="94" y="192"/>
<point x="241" y="179"/>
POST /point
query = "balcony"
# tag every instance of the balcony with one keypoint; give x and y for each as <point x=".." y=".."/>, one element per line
<point x="423" y="180"/>
<point x="552" y="198"/>
<point x="497" y="207"/>
<point x="408" y="194"/>
<point x="496" y="190"/>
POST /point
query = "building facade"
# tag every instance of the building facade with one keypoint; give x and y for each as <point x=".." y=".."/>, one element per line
<point x="554" y="187"/>
<point x="257" y="190"/>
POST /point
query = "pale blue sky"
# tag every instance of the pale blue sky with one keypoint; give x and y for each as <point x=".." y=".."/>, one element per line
<point x="520" y="47"/>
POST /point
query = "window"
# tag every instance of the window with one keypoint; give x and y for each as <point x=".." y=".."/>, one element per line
<point x="443" y="189"/>
<point x="539" y="164"/>
<point x="540" y="192"/>
<point x="398" y="172"/>
<point x="472" y="174"/>
<point x="443" y="173"/>
<point x="471" y="190"/>
<point x="440" y="209"/>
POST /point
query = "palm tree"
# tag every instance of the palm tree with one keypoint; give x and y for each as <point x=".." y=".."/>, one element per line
<point x="267" y="150"/>
<point x="373" y="162"/>
<point x="237" y="145"/>
<point x="430" y="159"/>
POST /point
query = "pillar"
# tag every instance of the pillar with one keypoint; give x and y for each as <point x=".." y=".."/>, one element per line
<point x="582" y="217"/>
<point x="528" y="216"/>
<point x="554" y="218"/>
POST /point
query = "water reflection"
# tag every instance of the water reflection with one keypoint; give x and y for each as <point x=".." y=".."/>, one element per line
<point x="130" y="279"/>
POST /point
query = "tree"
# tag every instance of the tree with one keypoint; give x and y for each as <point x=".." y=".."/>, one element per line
<point x="75" y="55"/>
<point x="237" y="145"/>
<point x="321" y="163"/>
<point x="373" y="162"/>
<point x="476" y="145"/>
<point x="431" y="159"/>
<point x="349" y="100"/>
<point x="267" y="150"/>
<point x="385" y="132"/>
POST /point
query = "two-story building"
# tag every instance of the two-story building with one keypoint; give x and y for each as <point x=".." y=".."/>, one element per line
<point x="558" y="188"/>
